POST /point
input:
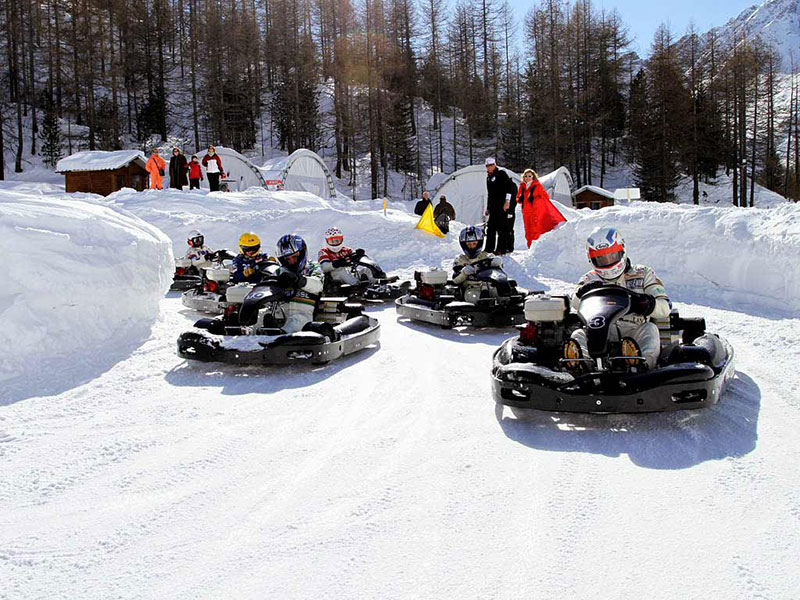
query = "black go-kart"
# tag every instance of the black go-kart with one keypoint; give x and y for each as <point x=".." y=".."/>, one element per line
<point x="186" y="277"/>
<point x="488" y="299"/>
<point x="374" y="285"/>
<point x="249" y="333"/>
<point x="531" y="370"/>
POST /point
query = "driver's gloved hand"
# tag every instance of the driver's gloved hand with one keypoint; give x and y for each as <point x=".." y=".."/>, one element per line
<point x="642" y="304"/>
<point x="358" y="253"/>
<point x="340" y="262"/>
<point x="497" y="262"/>
<point x="588" y="287"/>
<point x="468" y="270"/>
<point x="287" y="279"/>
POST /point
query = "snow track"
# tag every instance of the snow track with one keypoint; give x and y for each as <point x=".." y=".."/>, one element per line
<point x="392" y="474"/>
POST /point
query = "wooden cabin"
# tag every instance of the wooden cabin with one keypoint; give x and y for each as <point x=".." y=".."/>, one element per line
<point x="590" y="196"/>
<point x="104" y="173"/>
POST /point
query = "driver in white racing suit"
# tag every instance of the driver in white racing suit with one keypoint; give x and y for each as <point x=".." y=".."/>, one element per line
<point x="471" y="240"/>
<point x="606" y="252"/>
<point x="198" y="252"/>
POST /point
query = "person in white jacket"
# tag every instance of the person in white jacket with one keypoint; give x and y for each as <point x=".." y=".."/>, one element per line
<point x="301" y="278"/>
<point x="649" y="300"/>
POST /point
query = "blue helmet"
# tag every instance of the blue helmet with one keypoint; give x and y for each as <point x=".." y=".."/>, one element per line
<point x="288" y="246"/>
<point x="470" y="235"/>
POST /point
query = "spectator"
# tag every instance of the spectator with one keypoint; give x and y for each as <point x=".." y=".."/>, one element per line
<point x="155" y="166"/>
<point x="538" y="213"/>
<point x="177" y="169"/>
<point x="499" y="209"/>
<point x="422" y="204"/>
<point x="213" y="165"/>
<point x="443" y="214"/>
<point x="195" y="173"/>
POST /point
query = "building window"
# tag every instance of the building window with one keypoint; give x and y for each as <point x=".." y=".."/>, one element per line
<point x="595" y="206"/>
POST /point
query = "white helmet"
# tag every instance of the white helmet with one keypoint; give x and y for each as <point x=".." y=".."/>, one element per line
<point x="334" y="238"/>
<point x="195" y="239"/>
<point x="606" y="250"/>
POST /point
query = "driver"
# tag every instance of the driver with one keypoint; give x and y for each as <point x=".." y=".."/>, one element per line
<point x="336" y="259"/>
<point x="639" y="334"/>
<point x="471" y="240"/>
<point x="301" y="279"/>
<point x="246" y="265"/>
<point x="198" y="252"/>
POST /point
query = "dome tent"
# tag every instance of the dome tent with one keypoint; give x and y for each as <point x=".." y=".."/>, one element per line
<point x="241" y="173"/>
<point x="466" y="190"/>
<point x="301" y="171"/>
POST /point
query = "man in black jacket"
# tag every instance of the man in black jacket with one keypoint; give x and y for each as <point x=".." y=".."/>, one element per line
<point x="500" y="209"/>
<point x="423" y="204"/>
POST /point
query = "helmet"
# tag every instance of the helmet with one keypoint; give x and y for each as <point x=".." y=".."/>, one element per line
<point x="606" y="250"/>
<point x="249" y="243"/>
<point x="196" y="239"/>
<point x="334" y="238"/>
<point x="289" y="246"/>
<point x="468" y="238"/>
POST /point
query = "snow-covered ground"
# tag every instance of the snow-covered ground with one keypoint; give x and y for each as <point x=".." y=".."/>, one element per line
<point x="391" y="473"/>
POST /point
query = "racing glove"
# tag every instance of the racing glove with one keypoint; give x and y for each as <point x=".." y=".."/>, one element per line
<point x="642" y="304"/>
<point x="497" y="262"/>
<point x="468" y="270"/>
<point x="286" y="279"/>
<point x="358" y="253"/>
<point x="248" y="271"/>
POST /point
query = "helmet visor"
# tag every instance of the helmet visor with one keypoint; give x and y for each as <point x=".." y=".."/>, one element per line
<point x="291" y="259"/>
<point x="607" y="260"/>
<point x="250" y="249"/>
<point x="472" y="244"/>
<point x="197" y="241"/>
<point x="335" y="240"/>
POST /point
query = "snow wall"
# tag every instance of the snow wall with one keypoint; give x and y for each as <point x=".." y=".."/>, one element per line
<point x="82" y="281"/>
<point x="732" y="257"/>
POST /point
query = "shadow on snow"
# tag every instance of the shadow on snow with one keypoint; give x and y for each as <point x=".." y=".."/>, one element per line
<point x="669" y="440"/>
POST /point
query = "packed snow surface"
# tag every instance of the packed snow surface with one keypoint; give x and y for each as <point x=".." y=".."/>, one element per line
<point x="82" y="281"/>
<point x="391" y="473"/>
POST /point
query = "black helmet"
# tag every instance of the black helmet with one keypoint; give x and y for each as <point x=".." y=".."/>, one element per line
<point x="468" y="238"/>
<point x="289" y="245"/>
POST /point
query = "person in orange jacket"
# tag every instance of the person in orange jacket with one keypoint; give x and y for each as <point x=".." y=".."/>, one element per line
<point x="538" y="213"/>
<point x="155" y="166"/>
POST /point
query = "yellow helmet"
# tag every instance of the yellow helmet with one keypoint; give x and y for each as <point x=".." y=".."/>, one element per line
<point x="249" y="243"/>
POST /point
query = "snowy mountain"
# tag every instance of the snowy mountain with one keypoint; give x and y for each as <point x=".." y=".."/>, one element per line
<point x="777" y="22"/>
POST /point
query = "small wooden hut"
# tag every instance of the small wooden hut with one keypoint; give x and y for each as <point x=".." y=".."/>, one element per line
<point x="104" y="173"/>
<point x="590" y="196"/>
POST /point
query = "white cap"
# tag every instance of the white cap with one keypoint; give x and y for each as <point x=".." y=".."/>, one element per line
<point x="490" y="161"/>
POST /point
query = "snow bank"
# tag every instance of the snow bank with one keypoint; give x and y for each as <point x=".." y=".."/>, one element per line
<point x="222" y="217"/>
<point x="81" y="280"/>
<point x="732" y="256"/>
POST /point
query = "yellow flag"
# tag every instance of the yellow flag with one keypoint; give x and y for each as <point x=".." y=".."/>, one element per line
<point x="426" y="223"/>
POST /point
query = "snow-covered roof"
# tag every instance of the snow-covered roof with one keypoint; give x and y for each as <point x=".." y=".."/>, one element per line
<point x="98" y="160"/>
<point x="597" y="190"/>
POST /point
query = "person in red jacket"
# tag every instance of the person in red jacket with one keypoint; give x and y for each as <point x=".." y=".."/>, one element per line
<point x="213" y="164"/>
<point x="195" y="173"/>
<point x="538" y="213"/>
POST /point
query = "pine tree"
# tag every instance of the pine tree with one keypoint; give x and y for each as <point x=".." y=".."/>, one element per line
<point x="50" y="135"/>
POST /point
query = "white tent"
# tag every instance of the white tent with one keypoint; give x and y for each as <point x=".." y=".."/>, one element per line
<point x="559" y="185"/>
<point x="301" y="171"/>
<point x="466" y="191"/>
<point x="241" y="173"/>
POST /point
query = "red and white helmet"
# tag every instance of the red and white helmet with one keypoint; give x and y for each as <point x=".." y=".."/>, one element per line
<point x="606" y="250"/>
<point x="334" y="238"/>
<point x="195" y="239"/>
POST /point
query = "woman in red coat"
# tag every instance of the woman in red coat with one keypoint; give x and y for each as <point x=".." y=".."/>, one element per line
<point x="538" y="213"/>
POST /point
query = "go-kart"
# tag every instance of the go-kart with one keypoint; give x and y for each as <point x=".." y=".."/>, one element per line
<point x="531" y="370"/>
<point x="488" y="299"/>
